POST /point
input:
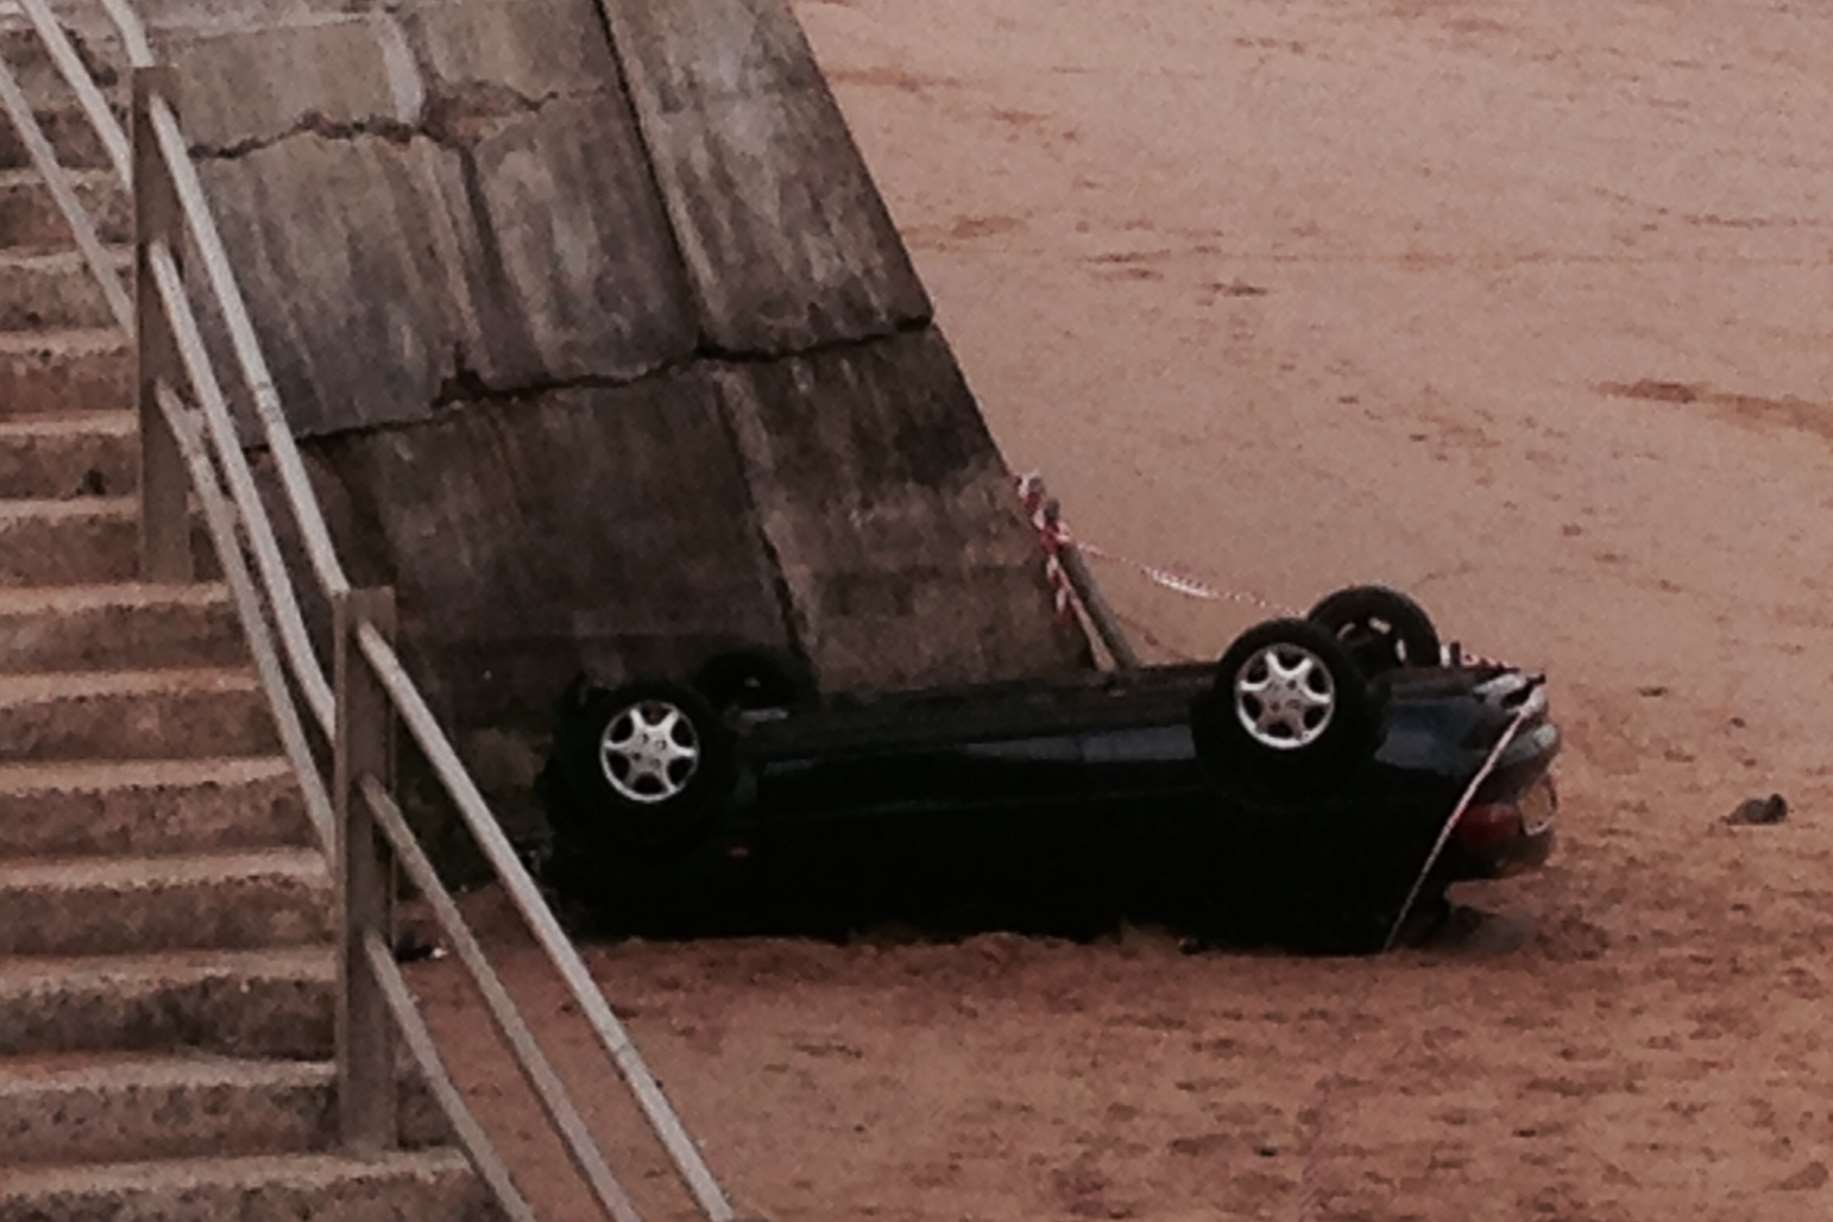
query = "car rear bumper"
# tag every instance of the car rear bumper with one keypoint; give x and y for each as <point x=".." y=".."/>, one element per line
<point x="1497" y="839"/>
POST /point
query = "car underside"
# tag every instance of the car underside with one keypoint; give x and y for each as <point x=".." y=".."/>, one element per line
<point x="1315" y="785"/>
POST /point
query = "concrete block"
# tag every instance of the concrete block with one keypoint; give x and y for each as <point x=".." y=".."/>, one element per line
<point x="643" y="556"/>
<point x="534" y="51"/>
<point x="351" y="265"/>
<point x="244" y="88"/>
<point x="904" y="554"/>
<point x="785" y="238"/>
<point x="511" y="249"/>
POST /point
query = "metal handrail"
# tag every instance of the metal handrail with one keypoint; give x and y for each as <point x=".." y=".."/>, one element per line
<point x="57" y="180"/>
<point x="536" y="1069"/>
<point x="255" y="373"/>
<point x="526" y="896"/>
<point x="133" y="32"/>
<point x="88" y="94"/>
<point x="219" y="517"/>
<point x="194" y="444"/>
<point x="470" y="1134"/>
<point x="190" y="341"/>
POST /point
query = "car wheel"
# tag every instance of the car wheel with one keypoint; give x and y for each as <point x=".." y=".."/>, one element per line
<point x="1289" y="712"/>
<point x="1382" y="629"/>
<point x="756" y="682"/>
<point x="648" y="765"/>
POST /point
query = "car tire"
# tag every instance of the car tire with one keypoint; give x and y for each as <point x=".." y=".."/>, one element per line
<point x="755" y="681"/>
<point x="646" y="766"/>
<point x="1289" y="714"/>
<point x="1381" y="628"/>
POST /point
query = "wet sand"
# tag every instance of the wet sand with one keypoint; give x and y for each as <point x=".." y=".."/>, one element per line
<point x="1526" y="307"/>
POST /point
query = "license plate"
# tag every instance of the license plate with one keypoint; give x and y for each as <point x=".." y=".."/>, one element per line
<point x="1539" y="808"/>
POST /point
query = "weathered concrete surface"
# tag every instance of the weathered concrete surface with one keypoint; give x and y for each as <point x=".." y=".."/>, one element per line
<point x="889" y="513"/>
<point x="269" y="897"/>
<point x="786" y="239"/>
<point x="412" y="238"/>
<point x="88" y="454"/>
<point x="64" y="542"/>
<point x="78" y="541"/>
<point x="383" y="1187"/>
<point x="109" y="627"/>
<point x="46" y="372"/>
<point x="248" y="1003"/>
<point x="54" y="290"/>
<point x="149" y="808"/>
<point x="606" y="353"/>
<point x="642" y="559"/>
<point x="78" y="145"/>
<point x="31" y="220"/>
<point x="185" y="1105"/>
<point x="134" y="714"/>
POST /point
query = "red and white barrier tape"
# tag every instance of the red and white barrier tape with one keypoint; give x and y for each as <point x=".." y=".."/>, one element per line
<point x="1184" y="583"/>
<point x="1053" y="536"/>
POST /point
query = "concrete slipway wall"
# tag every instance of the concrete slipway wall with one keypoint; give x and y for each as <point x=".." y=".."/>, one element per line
<point x="603" y="349"/>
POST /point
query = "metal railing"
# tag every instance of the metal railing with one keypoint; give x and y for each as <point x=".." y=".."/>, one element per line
<point x="191" y="448"/>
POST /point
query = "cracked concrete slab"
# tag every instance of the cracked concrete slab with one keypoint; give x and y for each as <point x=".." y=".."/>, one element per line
<point x="784" y="235"/>
<point x="644" y="558"/>
<point x="605" y="352"/>
<point x="391" y="273"/>
<point x="246" y="92"/>
<point x="577" y="245"/>
<point x="891" y="516"/>
<point x="562" y="52"/>
<point x="356" y="271"/>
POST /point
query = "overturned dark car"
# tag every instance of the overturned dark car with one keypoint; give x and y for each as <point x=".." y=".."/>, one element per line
<point x="1324" y="781"/>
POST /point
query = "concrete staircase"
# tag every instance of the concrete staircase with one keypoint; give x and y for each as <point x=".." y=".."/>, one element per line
<point x="166" y="979"/>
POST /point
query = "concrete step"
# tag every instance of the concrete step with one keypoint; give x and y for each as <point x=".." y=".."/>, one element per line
<point x="69" y="454"/>
<point x="96" y="1108"/>
<point x="136" y="905"/>
<point x="393" y="1187"/>
<point x="73" y="137"/>
<point x="104" y="627"/>
<point x="415" y="1186"/>
<point x="31" y="220"/>
<point x="56" y="289"/>
<point x="25" y="53"/>
<point x="265" y="1003"/>
<point x="82" y="541"/>
<point x="85" y="540"/>
<point x="150" y="807"/>
<point x="45" y="373"/>
<point x="140" y="714"/>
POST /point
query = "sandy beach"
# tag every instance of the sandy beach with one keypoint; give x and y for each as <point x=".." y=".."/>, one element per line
<point x="1526" y="307"/>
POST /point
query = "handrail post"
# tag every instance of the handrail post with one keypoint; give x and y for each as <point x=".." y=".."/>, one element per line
<point x="165" y="507"/>
<point x="364" y="746"/>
